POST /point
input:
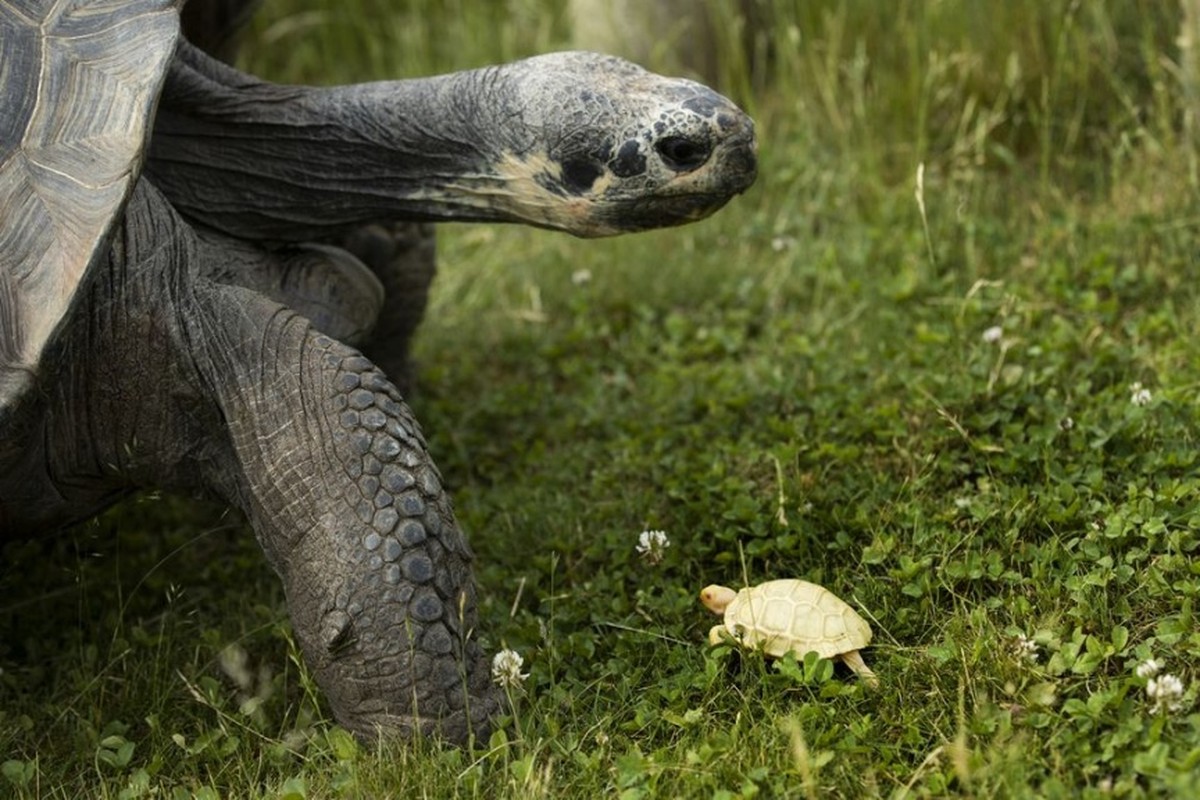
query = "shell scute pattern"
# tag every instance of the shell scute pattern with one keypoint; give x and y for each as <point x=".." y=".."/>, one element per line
<point x="784" y="615"/>
<point x="68" y="162"/>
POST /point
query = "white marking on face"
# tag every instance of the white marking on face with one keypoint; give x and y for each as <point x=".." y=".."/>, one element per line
<point x="518" y="187"/>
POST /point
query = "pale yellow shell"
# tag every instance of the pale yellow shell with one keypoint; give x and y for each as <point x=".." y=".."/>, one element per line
<point x="782" y="615"/>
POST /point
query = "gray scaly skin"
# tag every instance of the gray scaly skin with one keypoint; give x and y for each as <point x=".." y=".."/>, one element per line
<point x="579" y="142"/>
<point x="212" y="365"/>
<point x="303" y="434"/>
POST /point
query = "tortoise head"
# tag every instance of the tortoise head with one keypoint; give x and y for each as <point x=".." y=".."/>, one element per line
<point x="595" y="146"/>
<point x="717" y="598"/>
<point x="578" y="142"/>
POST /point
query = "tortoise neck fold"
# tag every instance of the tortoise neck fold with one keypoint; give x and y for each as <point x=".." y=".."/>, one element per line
<point x="259" y="160"/>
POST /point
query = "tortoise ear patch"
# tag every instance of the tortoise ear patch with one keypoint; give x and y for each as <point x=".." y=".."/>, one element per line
<point x="579" y="175"/>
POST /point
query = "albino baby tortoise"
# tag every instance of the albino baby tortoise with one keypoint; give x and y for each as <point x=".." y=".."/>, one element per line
<point x="791" y="615"/>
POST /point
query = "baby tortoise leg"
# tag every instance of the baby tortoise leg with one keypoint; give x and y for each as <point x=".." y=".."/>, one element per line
<point x="854" y="661"/>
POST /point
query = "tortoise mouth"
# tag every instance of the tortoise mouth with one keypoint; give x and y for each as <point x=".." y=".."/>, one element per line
<point x="671" y="211"/>
<point x="679" y="204"/>
<point x="740" y="163"/>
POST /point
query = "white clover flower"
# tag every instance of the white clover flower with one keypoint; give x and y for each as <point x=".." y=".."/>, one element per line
<point x="1025" y="648"/>
<point x="1166" y="691"/>
<point x="652" y="546"/>
<point x="581" y="277"/>
<point x="506" y="668"/>
<point x="993" y="334"/>
<point x="1148" y="668"/>
<point x="1139" y="395"/>
<point x="781" y="243"/>
<point x="1066" y="424"/>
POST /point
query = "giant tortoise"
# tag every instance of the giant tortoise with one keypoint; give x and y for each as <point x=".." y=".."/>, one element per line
<point x="174" y="312"/>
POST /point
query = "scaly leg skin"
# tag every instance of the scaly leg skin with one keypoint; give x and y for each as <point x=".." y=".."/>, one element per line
<point x="351" y="512"/>
<point x="184" y="383"/>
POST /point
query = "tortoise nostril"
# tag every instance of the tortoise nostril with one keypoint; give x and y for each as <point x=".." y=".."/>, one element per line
<point x="681" y="153"/>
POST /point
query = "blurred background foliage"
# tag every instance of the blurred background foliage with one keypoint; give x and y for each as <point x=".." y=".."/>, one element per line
<point x="914" y="80"/>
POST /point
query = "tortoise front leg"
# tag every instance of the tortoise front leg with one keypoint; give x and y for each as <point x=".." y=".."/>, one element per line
<point x="854" y="660"/>
<point x="177" y="381"/>
<point x="334" y="474"/>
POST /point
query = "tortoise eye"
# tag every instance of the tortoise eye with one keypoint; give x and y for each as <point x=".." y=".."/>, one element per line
<point x="681" y="153"/>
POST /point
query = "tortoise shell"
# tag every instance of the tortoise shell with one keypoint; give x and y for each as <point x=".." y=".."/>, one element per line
<point x="795" y="615"/>
<point x="79" y="84"/>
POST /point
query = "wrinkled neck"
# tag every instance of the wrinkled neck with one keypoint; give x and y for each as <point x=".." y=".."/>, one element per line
<point x="255" y="159"/>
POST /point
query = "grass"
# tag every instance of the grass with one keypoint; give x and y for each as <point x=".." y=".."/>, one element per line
<point x="800" y="386"/>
